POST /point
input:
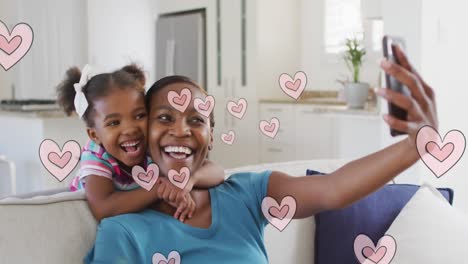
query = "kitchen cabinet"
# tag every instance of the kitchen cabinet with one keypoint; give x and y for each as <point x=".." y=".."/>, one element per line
<point x="20" y="143"/>
<point x="60" y="41"/>
<point x="319" y="132"/>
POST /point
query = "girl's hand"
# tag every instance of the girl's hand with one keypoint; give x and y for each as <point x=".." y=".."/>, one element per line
<point x="421" y="106"/>
<point x="176" y="197"/>
<point x="186" y="208"/>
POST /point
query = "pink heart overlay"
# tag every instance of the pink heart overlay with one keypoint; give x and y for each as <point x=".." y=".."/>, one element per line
<point x="9" y="46"/>
<point x="14" y="45"/>
<point x="293" y="87"/>
<point x="146" y="178"/>
<point x="237" y="109"/>
<point x="369" y="253"/>
<point x="270" y="129"/>
<point x="204" y="107"/>
<point x="366" y="252"/>
<point x="179" y="178"/>
<point x="229" y="137"/>
<point x="172" y="258"/>
<point x="437" y="154"/>
<point x="180" y="101"/>
<point x="59" y="163"/>
<point x="171" y="261"/>
<point x="279" y="215"/>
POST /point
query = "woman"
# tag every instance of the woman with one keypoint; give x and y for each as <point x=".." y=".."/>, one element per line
<point x="228" y="224"/>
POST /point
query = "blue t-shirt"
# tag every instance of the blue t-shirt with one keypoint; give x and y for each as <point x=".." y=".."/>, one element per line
<point x="235" y="234"/>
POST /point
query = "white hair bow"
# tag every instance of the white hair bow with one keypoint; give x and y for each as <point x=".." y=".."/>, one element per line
<point x="81" y="104"/>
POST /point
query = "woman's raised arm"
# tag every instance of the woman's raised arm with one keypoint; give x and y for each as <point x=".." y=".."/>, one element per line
<point x="361" y="177"/>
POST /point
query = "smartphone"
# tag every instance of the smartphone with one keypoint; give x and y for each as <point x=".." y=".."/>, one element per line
<point x="388" y="48"/>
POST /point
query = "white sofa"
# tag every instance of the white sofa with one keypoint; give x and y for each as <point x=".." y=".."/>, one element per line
<point x="56" y="226"/>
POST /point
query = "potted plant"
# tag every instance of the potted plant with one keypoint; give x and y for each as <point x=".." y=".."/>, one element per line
<point x="355" y="92"/>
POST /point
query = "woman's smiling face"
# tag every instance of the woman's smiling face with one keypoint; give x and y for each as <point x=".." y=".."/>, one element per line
<point x="177" y="139"/>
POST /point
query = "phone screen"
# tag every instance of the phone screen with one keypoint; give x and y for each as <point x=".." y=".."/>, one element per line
<point x="392" y="83"/>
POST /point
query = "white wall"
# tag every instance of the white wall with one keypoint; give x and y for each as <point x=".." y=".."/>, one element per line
<point x="121" y="32"/>
<point x="323" y="69"/>
<point x="443" y="64"/>
<point x="436" y="41"/>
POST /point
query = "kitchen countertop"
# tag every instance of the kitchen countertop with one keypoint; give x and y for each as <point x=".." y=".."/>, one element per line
<point x="328" y="105"/>
<point x="35" y="114"/>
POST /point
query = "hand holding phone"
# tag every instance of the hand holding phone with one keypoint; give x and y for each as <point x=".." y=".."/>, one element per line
<point x="392" y="83"/>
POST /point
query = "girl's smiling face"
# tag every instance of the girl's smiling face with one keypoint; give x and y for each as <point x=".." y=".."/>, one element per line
<point x="178" y="139"/>
<point x="120" y="125"/>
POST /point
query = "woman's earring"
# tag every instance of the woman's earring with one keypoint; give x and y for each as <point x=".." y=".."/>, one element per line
<point x="210" y="147"/>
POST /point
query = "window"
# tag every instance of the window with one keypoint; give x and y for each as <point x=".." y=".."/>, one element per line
<point x="342" y="21"/>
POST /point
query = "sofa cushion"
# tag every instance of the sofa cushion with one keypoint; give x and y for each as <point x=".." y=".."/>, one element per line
<point x="46" y="228"/>
<point x="428" y="230"/>
<point x="336" y="230"/>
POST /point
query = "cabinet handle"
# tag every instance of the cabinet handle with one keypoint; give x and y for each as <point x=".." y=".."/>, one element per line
<point x="244" y="44"/>
<point x="218" y="40"/>
<point x="225" y="86"/>
<point x="277" y="150"/>
<point x="275" y="110"/>
<point x="309" y="111"/>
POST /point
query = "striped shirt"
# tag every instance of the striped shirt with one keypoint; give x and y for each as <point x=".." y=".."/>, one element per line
<point x="96" y="161"/>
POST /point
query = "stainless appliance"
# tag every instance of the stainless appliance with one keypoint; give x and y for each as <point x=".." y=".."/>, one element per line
<point x="181" y="45"/>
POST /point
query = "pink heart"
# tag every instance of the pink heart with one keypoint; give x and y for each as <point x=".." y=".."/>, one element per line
<point x="180" y="101"/>
<point x="280" y="214"/>
<point x="171" y="261"/>
<point x="270" y="129"/>
<point x="293" y="87"/>
<point x="229" y="137"/>
<point x="279" y="218"/>
<point x="204" y="107"/>
<point x="365" y="250"/>
<point x="59" y="163"/>
<point x="237" y="109"/>
<point x="369" y="253"/>
<point x="440" y="154"/>
<point x="9" y="46"/>
<point x="440" y="160"/>
<point x="172" y="258"/>
<point x="179" y="179"/>
<point x="14" y="45"/>
<point x="146" y="178"/>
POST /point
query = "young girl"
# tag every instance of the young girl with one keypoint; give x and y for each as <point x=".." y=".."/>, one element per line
<point x="112" y="106"/>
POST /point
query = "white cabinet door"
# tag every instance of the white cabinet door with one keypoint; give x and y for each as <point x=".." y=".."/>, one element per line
<point x="282" y="147"/>
<point x="233" y="85"/>
<point x="356" y="136"/>
<point x="314" y="133"/>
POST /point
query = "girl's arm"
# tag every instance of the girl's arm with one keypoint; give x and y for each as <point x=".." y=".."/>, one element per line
<point x="209" y="175"/>
<point x="361" y="177"/>
<point x="104" y="201"/>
